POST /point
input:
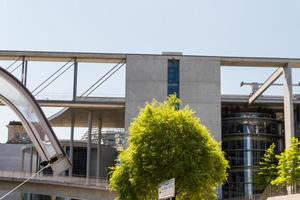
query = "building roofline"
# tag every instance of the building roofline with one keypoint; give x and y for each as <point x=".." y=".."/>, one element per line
<point x="116" y="57"/>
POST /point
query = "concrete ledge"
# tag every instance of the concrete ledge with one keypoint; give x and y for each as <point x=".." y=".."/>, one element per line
<point x="286" y="197"/>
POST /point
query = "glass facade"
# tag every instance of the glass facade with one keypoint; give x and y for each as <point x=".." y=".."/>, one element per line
<point x="245" y="138"/>
<point x="173" y="77"/>
<point x="79" y="161"/>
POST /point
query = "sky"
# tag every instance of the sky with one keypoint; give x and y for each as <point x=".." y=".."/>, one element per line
<point x="252" y="28"/>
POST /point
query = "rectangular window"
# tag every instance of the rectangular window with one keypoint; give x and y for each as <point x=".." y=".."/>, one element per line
<point x="173" y="77"/>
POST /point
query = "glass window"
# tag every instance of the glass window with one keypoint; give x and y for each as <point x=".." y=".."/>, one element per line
<point x="274" y="128"/>
<point x="173" y="77"/>
<point x="17" y="136"/>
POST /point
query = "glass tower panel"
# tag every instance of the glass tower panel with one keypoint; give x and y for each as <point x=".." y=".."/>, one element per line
<point x="245" y="138"/>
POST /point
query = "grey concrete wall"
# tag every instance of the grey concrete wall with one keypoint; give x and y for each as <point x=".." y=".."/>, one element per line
<point x="11" y="157"/>
<point x="146" y="78"/>
<point x="200" y="89"/>
<point x="107" y="159"/>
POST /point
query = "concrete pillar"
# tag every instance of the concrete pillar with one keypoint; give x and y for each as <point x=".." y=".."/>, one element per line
<point x="288" y="105"/>
<point x="88" y="156"/>
<point x="65" y="150"/>
<point x="23" y="160"/>
<point x="39" y="162"/>
<point x="280" y="142"/>
<point x="71" y="152"/>
<point x="31" y="159"/>
<point x="99" y="146"/>
<point x="36" y="161"/>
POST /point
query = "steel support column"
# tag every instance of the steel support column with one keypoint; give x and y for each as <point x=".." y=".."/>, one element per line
<point x="31" y="159"/>
<point x="88" y="156"/>
<point x="71" y="153"/>
<point x="24" y="71"/>
<point x="288" y="105"/>
<point x="23" y="160"/>
<point x="71" y="150"/>
<point x="99" y="146"/>
<point x="75" y="79"/>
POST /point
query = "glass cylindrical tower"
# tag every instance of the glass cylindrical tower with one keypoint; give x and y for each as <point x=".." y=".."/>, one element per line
<point x="245" y="137"/>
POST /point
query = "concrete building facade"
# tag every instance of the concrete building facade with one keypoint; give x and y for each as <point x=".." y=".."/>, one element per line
<point x="199" y="86"/>
<point x="245" y="130"/>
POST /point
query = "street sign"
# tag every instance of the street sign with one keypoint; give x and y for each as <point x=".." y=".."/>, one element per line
<point x="166" y="189"/>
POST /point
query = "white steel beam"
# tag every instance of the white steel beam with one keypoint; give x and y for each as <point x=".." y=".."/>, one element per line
<point x="266" y="84"/>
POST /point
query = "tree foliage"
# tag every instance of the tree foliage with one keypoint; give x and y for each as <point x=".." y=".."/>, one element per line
<point x="168" y="143"/>
<point x="267" y="168"/>
<point x="289" y="166"/>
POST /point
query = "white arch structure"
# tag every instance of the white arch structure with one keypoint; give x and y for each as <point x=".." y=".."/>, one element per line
<point x="21" y="101"/>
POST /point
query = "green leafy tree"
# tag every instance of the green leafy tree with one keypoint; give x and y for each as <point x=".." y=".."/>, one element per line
<point x="169" y="143"/>
<point x="267" y="168"/>
<point x="289" y="166"/>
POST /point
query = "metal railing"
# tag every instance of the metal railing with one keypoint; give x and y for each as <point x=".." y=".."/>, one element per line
<point x="99" y="183"/>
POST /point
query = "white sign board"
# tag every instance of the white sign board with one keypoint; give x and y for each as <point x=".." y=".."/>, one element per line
<point x="166" y="189"/>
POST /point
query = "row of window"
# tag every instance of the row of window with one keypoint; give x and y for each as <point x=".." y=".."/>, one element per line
<point x="244" y="158"/>
<point x="249" y="115"/>
<point x="254" y="126"/>
<point x="241" y="144"/>
<point x="238" y="190"/>
<point x="31" y="196"/>
<point x="237" y="185"/>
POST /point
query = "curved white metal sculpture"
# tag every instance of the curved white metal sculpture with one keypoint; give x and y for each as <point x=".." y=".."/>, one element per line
<point x="20" y="100"/>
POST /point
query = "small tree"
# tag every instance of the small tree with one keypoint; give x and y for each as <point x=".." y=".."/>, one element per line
<point x="289" y="166"/>
<point x="267" y="168"/>
<point x="169" y="143"/>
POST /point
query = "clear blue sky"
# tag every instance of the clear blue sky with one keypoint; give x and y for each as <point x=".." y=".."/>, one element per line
<point x="262" y="28"/>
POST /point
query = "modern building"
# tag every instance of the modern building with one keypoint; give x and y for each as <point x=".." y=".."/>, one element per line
<point x="25" y="158"/>
<point x="22" y="158"/>
<point x="245" y="137"/>
<point x="245" y="130"/>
